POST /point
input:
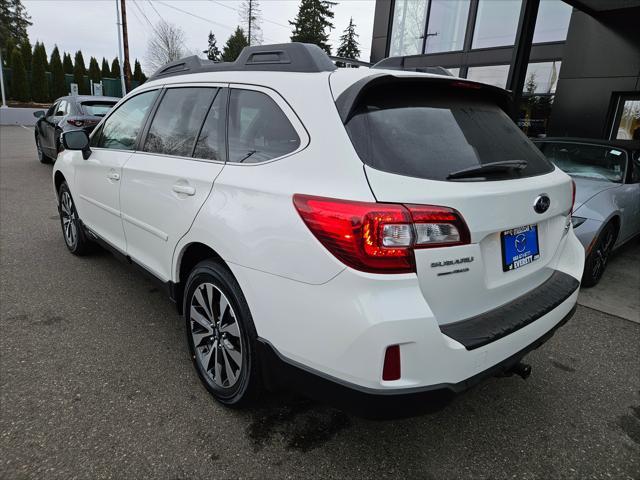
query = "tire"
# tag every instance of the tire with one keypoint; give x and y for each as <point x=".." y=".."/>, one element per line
<point x="72" y="231"/>
<point x="42" y="157"/>
<point x="596" y="262"/>
<point x="223" y="351"/>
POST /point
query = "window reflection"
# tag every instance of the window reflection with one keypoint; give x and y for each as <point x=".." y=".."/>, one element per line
<point x="496" y="23"/>
<point x="629" y="127"/>
<point x="447" y="25"/>
<point x="552" y="22"/>
<point x="407" y="30"/>
<point x="491" y="74"/>
<point x="542" y="77"/>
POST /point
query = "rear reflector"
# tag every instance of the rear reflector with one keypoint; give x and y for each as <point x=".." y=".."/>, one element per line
<point x="391" y="367"/>
<point x="379" y="237"/>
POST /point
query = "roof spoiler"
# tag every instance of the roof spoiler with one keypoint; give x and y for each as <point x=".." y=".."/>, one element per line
<point x="284" y="57"/>
<point x="347" y="101"/>
<point x="399" y="63"/>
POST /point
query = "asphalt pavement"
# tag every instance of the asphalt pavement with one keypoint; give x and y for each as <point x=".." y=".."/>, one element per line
<point x="96" y="382"/>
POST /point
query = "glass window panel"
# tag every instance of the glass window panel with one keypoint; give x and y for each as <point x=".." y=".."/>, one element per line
<point x="552" y="22"/>
<point x="496" y="23"/>
<point x="534" y="114"/>
<point x="447" y="25"/>
<point x="211" y="140"/>
<point x="407" y="30"/>
<point x="258" y="129"/>
<point x="176" y="124"/>
<point x="120" y="130"/>
<point x="491" y="74"/>
<point x="629" y="127"/>
<point x="454" y="71"/>
<point x="542" y="77"/>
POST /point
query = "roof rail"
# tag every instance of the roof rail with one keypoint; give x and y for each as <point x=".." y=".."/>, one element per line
<point x="398" y="63"/>
<point x="284" y="57"/>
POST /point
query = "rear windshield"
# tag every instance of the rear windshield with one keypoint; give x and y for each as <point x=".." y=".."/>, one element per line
<point x="98" y="109"/>
<point x="434" y="134"/>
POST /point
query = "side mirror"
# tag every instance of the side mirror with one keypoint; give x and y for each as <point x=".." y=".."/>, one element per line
<point x="77" y="140"/>
<point x="38" y="113"/>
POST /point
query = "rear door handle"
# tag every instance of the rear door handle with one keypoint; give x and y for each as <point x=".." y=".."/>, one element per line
<point x="113" y="176"/>
<point x="185" y="189"/>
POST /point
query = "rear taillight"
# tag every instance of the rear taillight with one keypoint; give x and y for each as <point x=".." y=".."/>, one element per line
<point x="75" y="123"/>
<point x="379" y="237"/>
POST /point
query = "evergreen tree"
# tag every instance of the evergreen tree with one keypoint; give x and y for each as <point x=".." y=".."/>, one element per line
<point x="26" y="52"/>
<point x="79" y="71"/>
<point x="314" y="17"/>
<point x="14" y="21"/>
<point x="39" y="81"/>
<point x="137" y="73"/>
<point x="67" y="63"/>
<point x="250" y="19"/>
<point x="349" y="47"/>
<point x="212" y="51"/>
<point x="94" y="70"/>
<point x="19" y="87"/>
<point x="105" y="71"/>
<point x="8" y="50"/>
<point x="237" y="41"/>
<point x="115" y="68"/>
<point x="59" y="87"/>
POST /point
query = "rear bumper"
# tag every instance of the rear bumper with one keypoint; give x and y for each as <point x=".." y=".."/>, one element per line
<point x="339" y="330"/>
<point x="281" y="372"/>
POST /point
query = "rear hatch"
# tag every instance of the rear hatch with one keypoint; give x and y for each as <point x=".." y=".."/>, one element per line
<point x="449" y="143"/>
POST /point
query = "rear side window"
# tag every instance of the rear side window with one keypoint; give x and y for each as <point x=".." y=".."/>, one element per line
<point x="177" y="121"/>
<point x="121" y="129"/>
<point x="433" y="133"/>
<point x="258" y="129"/>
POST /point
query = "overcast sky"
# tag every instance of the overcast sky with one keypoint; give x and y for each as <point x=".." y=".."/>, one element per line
<point x="90" y="25"/>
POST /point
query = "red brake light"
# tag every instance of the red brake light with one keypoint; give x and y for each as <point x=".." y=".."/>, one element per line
<point x="75" y="123"/>
<point x="391" y="367"/>
<point x="379" y="237"/>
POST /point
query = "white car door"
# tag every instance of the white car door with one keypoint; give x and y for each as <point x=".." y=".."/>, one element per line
<point x="97" y="179"/>
<point x="164" y="184"/>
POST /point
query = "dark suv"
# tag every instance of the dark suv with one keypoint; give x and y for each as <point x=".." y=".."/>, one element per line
<point x="68" y="113"/>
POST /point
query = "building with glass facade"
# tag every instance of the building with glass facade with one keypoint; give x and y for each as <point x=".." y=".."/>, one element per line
<point x="574" y="65"/>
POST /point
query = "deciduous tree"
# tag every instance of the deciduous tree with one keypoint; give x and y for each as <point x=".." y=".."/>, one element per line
<point x="165" y="45"/>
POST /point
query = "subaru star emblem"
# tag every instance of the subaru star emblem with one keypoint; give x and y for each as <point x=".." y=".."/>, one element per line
<point x="542" y="203"/>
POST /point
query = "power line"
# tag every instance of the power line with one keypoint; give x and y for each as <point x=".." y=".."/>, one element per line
<point x="263" y="18"/>
<point x="204" y="19"/>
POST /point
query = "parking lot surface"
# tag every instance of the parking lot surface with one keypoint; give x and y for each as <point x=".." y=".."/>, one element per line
<point x="96" y="382"/>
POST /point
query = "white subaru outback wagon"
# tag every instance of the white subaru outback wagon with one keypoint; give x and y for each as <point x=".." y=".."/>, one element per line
<point x="368" y="236"/>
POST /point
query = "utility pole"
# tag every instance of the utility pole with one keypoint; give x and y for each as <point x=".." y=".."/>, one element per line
<point x="4" y="101"/>
<point x="125" y="38"/>
<point x="120" y="49"/>
<point x="250" y="21"/>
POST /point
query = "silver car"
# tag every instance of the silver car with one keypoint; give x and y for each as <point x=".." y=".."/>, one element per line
<point x="607" y="208"/>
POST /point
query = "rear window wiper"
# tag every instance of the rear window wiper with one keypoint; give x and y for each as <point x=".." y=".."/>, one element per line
<point x="493" y="167"/>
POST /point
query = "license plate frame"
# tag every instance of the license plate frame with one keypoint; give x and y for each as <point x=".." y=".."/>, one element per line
<point x="519" y="247"/>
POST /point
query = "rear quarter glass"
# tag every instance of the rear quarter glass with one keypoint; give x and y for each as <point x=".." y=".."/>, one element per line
<point x="429" y="133"/>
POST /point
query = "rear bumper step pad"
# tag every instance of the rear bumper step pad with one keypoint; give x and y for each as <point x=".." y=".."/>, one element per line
<point x="488" y="327"/>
